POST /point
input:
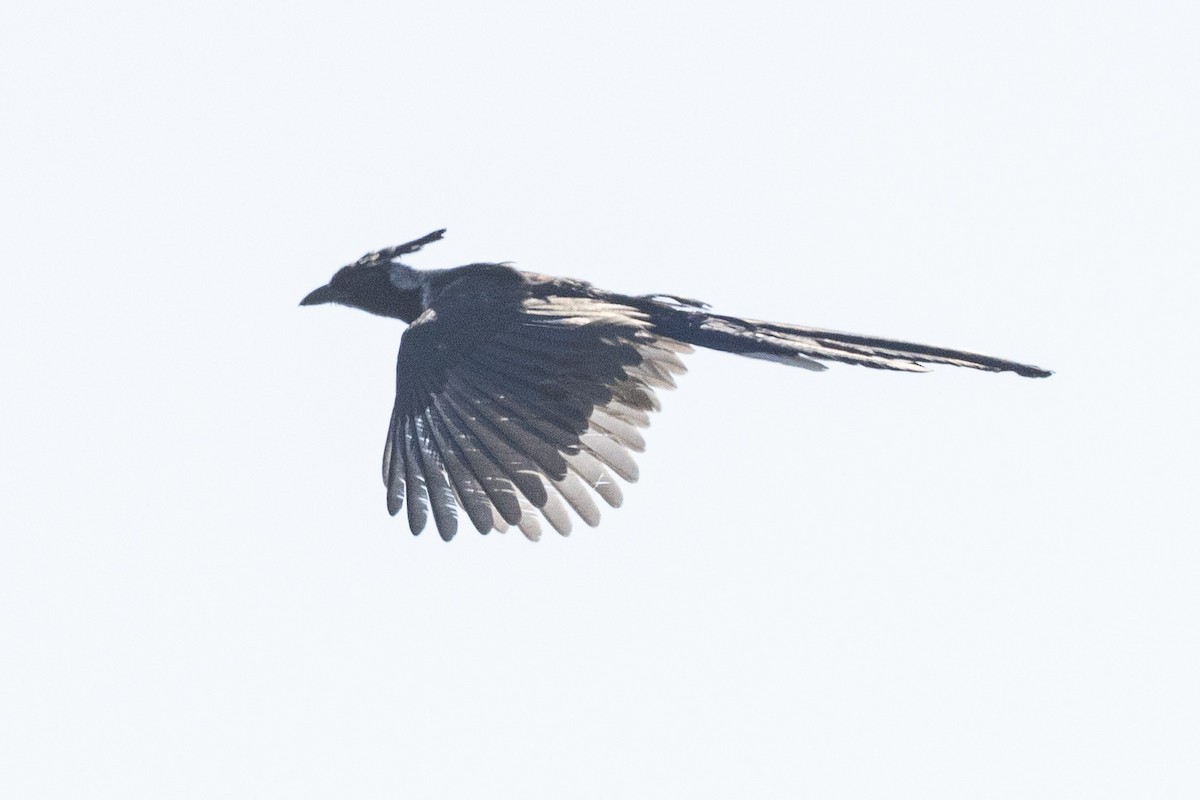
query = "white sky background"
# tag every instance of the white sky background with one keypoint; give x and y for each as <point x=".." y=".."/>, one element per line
<point x="848" y="585"/>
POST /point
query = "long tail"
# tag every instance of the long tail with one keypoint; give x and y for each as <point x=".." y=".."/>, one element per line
<point x="807" y="347"/>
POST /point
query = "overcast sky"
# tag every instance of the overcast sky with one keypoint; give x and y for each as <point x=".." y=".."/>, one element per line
<point x="852" y="584"/>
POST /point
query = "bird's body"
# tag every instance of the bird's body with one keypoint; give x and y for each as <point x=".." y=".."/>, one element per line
<point x="519" y="394"/>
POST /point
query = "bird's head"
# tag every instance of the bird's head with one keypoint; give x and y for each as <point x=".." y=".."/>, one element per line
<point x="378" y="284"/>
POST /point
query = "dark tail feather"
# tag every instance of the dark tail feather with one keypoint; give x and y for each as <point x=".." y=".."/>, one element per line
<point x="807" y="347"/>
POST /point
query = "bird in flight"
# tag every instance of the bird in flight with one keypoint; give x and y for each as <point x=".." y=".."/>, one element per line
<point x="519" y="395"/>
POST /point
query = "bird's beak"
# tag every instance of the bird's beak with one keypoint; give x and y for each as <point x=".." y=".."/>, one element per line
<point x="317" y="296"/>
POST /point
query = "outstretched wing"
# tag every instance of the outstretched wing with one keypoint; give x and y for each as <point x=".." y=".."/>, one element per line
<point x="512" y="407"/>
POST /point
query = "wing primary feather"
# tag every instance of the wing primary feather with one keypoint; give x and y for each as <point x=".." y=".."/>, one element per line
<point x="674" y="346"/>
<point x="649" y="374"/>
<point x="387" y="448"/>
<point x="458" y="484"/>
<point x="517" y="435"/>
<point x="566" y="482"/>
<point x="504" y="495"/>
<point x="552" y="403"/>
<point x="633" y="416"/>
<point x="529" y="524"/>
<point x="612" y="455"/>
<point x="596" y="477"/>
<point x="577" y="496"/>
<point x="442" y="501"/>
<point x="556" y="513"/>
<point x="415" y="479"/>
<point x="618" y="429"/>
<point x="665" y="351"/>
<point x="519" y="468"/>
<point x="470" y="493"/>
<point x="393" y="459"/>
<point x="543" y="457"/>
<point x="635" y="395"/>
